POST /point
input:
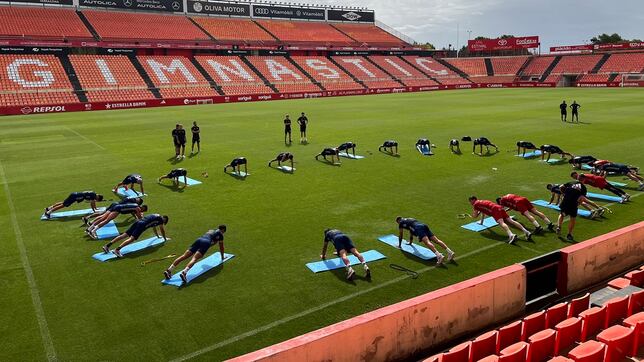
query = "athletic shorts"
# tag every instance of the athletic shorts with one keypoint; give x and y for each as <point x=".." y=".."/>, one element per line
<point x="287" y="129"/>
<point x="422" y="230"/>
<point x="136" y="230"/>
<point x="500" y="215"/>
<point x="180" y="143"/>
<point x="619" y="170"/>
<point x="524" y="205"/>
<point x="302" y="129"/>
<point x="200" y="245"/>
<point x="109" y="208"/>
<point x="342" y="242"/>
<point x="130" y="180"/>
<point x="70" y="200"/>
<point x="196" y="139"/>
<point x="569" y="209"/>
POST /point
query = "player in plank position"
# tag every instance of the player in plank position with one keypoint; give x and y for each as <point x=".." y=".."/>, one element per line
<point x="197" y="251"/>
<point x="603" y="168"/>
<point x="135" y="231"/>
<point x="455" y="146"/>
<point x="129" y="181"/>
<point x="523" y="146"/>
<point x="424" y="235"/>
<point x="302" y="121"/>
<point x="174" y="175"/>
<point x="525" y="208"/>
<point x="555" y="193"/>
<point x="389" y="146"/>
<point x="422" y="143"/>
<point x="600" y="183"/>
<point x="343" y="245"/>
<point x="128" y="200"/>
<point x="346" y="147"/>
<point x="578" y="161"/>
<point x="282" y="157"/>
<point x="333" y="152"/>
<point x="121" y="209"/>
<point x="196" y="138"/>
<point x="482" y="141"/>
<point x="572" y="196"/>
<point x="550" y="149"/>
<point x="236" y="163"/>
<point x="486" y="207"/>
<point x="77" y="197"/>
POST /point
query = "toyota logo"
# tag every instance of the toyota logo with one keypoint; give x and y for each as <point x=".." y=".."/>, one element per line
<point x="503" y="42"/>
<point x="261" y="11"/>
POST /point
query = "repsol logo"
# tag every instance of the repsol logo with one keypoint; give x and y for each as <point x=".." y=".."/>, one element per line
<point x="47" y="109"/>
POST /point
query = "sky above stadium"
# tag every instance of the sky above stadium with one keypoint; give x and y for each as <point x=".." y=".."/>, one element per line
<point x="556" y="22"/>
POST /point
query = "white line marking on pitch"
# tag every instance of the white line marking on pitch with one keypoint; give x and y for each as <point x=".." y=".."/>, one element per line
<point x="85" y="138"/>
<point x="318" y="308"/>
<point x="33" y="288"/>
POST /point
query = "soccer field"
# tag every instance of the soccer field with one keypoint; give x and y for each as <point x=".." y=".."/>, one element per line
<point x="58" y="302"/>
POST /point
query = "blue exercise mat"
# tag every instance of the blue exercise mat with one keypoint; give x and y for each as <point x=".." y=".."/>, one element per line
<point x="336" y="263"/>
<point x="530" y="154"/>
<point x="425" y="150"/>
<point x="603" y="197"/>
<point x="129" y="193"/>
<point x="617" y="184"/>
<point x="132" y="248"/>
<point x="488" y="222"/>
<point x="351" y="156"/>
<point x="286" y="168"/>
<point x="542" y="203"/>
<point x="586" y="167"/>
<point x="240" y="174"/>
<point x="199" y="268"/>
<point x="191" y="182"/>
<point x="554" y="161"/>
<point x="72" y="213"/>
<point x="108" y="231"/>
<point x="414" y="249"/>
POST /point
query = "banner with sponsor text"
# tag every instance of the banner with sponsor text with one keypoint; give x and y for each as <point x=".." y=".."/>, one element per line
<point x="218" y="8"/>
<point x="486" y="45"/>
<point x="173" y="6"/>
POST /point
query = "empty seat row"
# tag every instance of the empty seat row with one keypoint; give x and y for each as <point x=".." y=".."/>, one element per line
<point x="469" y="66"/>
<point x="305" y="32"/>
<point x="507" y="65"/>
<point x="369" y="34"/>
<point x="624" y="63"/>
<point x="39" y="22"/>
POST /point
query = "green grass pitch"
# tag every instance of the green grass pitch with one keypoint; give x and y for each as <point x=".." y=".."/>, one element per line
<point x="88" y="310"/>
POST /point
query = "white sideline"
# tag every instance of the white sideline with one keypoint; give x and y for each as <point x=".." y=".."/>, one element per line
<point x="31" y="281"/>
<point x="316" y="309"/>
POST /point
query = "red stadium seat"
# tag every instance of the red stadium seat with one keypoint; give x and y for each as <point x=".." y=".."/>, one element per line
<point x="484" y="345"/>
<point x="624" y="63"/>
<point x="493" y="79"/>
<point x="532" y="324"/>
<point x="294" y="32"/>
<point x="41" y="22"/>
<point x="542" y="346"/>
<point x="593" y="321"/>
<point x="492" y="358"/>
<point x="436" y="70"/>
<point x="578" y="305"/>
<point x="235" y="30"/>
<point x="369" y="34"/>
<point x="176" y="76"/>
<point x="636" y="302"/>
<point x="616" y="310"/>
<point x="590" y="351"/>
<point x="233" y="75"/>
<point x="508" y="335"/>
<point x="402" y="71"/>
<point x="538" y="66"/>
<point x="619" y="342"/>
<point x="328" y="74"/>
<point x="636" y="322"/>
<point x="568" y="332"/>
<point x="507" y="65"/>
<point x="470" y="66"/>
<point x="368" y="73"/>
<point x="637" y="278"/>
<point x="576" y="64"/>
<point x="517" y="352"/>
<point x="556" y="314"/>
<point x="460" y="353"/>
<point x="560" y="359"/>
<point x="282" y="74"/>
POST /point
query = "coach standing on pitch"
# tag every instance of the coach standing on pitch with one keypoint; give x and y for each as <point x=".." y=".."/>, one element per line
<point x="563" y="107"/>
<point x="179" y="139"/>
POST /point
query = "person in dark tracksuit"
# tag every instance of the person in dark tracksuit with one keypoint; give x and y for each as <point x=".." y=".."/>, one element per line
<point x="389" y="146"/>
<point x="179" y="140"/>
<point x="128" y="200"/>
<point x="196" y="137"/>
<point x="572" y="195"/>
<point x="129" y="181"/>
<point x="563" y="107"/>
<point x="333" y="152"/>
<point x="302" y="121"/>
<point x="174" y="175"/>
<point x="482" y="141"/>
<point x="135" y="231"/>
<point x="197" y="251"/>
<point x="575" y="111"/>
<point x="424" y="235"/>
<point x="455" y="146"/>
<point x="287" y="129"/>
<point x="343" y="245"/>
<point x="282" y="157"/>
<point x="75" y="197"/>
<point x="578" y="161"/>
<point x="523" y="146"/>
<point x="120" y="209"/>
<point x="236" y="163"/>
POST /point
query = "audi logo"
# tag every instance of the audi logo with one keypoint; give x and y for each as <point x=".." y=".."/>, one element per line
<point x="261" y="11"/>
<point x="503" y="42"/>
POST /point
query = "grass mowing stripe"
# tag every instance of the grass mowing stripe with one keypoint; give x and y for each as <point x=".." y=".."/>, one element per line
<point x="85" y="138"/>
<point x="318" y="308"/>
<point x="33" y="288"/>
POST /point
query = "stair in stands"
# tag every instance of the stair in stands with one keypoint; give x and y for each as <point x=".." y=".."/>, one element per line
<point x="525" y="65"/>
<point x="266" y="30"/>
<point x="452" y="68"/>
<point x="88" y="25"/>
<point x="550" y="68"/>
<point x="488" y="67"/>
<point x="294" y="63"/>
<point x="385" y="71"/>
<point x="202" y="29"/>
<point x="205" y="74"/>
<point x="419" y="69"/>
<point x="346" y="71"/>
<point x="73" y="78"/>
<point x="612" y="77"/>
<point x="259" y="74"/>
<point x="345" y="34"/>
<point x="145" y="76"/>
<point x="600" y="63"/>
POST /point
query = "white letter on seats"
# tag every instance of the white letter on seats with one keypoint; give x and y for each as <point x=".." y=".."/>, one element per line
<point x="221" y="70"/>
<point x="277" y="69"/>
<point x="320" y="66"/>
<point x="420" y="62"/>
<point x="358" y="64"/>
<point x="175" y="65"/>
<point x="46" y="76"/>
<point x="397" y="66"/>
<point x="105" y="71"/>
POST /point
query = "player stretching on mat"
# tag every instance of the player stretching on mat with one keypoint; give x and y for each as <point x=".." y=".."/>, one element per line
<point x="129" y="181"/>
<point x="287" y="129"/>
<point x="196" y="138"/>
<point x="133" y="233"/>
<point x="174" y="176"/>
<point x="523" y="146"/>
<point x="282" y="157"/>
<point x="422" y="143"/>
<point x="303" y="122"/>
<point x="179" y="140"/>
<point x="236" y="163"/>
<point x="482" y="141"/>
<point x="555" y="193"/>
<point x="578" y="161"/>
<point x="525" y="208"/>
<point x="563" y="107"/>
<point x="343" y="245"/>
<point x="78" y="197"/>
<point x="572" y="197"/>
<point x="424" y="235"/>
<point x="197" y="250"/>
<point x="122" y="209"/>
<point x="600" y="183"/>
<point x="333" y="152"/>
<point x="605" y="168"/>
<point x="129" y="200"/>
<point x="455" y="146"/>
<point x="346" y="147"/>
<point x="550" y="149"/>
<point x="389" y="146"/>
<point x="575" y="111"/>
<point x="486" y="207"/>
